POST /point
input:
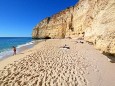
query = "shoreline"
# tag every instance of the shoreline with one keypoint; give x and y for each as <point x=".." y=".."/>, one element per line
<point x="20" y="48"/>
<point x="56" y="62"/>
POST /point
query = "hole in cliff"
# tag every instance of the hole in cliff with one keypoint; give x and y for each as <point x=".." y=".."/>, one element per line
<point x="71" y="27"/>
<point x="47" y="37"/>
<point x="83" y="32"/>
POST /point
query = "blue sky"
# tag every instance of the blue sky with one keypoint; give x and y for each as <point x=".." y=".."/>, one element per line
<point x="18" y="17"/>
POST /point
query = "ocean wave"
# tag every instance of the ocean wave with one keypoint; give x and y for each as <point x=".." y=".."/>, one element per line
<point x="9" y="52"/>
<point x="5" y="53"/>
<point x="27" y="44"/>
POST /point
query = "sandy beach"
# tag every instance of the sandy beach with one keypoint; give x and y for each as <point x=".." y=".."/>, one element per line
<point x="58" y="62"/>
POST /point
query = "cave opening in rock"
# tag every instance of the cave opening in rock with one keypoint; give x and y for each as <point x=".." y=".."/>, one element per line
<point x="71" y="27"/>
<point x="47" y="37"/>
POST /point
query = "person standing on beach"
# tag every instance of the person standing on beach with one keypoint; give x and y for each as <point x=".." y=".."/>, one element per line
<point x="14" y="49"/>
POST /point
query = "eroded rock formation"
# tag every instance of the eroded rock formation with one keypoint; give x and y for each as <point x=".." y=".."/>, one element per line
<point x="94" y="20"/>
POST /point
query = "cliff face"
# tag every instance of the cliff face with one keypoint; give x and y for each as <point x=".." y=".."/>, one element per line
<point x="55" y="26"/>
<point x="94" y="20"/>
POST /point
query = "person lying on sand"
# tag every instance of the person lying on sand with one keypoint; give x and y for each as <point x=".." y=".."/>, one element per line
<point x="65" y="46"/>
<point x="14" y="50"/>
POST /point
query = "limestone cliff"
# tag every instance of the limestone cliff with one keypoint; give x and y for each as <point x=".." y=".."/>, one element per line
<point x="55" y="26"/>
<point x="92" y="19"/>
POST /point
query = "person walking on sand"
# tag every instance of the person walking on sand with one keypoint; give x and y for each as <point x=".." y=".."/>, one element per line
<point x="14" y="49"/>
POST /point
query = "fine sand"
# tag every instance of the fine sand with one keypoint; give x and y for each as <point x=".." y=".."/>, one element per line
<point x="58" y="62"/>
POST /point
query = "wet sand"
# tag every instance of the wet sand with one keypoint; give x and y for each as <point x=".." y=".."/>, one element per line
<point x="58" y="62"/>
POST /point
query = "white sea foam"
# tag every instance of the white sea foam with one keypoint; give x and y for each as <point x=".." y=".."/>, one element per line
<point x="5" y="53"/>
<point x="27" y="44"/>
<point x="9" y="52"/>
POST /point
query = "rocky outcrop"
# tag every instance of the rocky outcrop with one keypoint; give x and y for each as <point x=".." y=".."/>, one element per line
<point x="94" y="20"/>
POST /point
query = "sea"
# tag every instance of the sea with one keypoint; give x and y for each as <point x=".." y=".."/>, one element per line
<point x="6" y="44"/>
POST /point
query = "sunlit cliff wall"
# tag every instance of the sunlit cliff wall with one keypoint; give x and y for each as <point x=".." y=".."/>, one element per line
<point x="93" y="20"/>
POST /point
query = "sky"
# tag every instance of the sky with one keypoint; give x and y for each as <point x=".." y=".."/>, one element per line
<point x="19" y="17"/>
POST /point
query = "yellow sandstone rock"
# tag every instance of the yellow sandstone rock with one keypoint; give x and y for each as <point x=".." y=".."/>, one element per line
<point x="94" y="20"/>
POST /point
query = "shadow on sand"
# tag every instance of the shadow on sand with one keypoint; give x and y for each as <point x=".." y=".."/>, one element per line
<point x="111" y="57"/>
